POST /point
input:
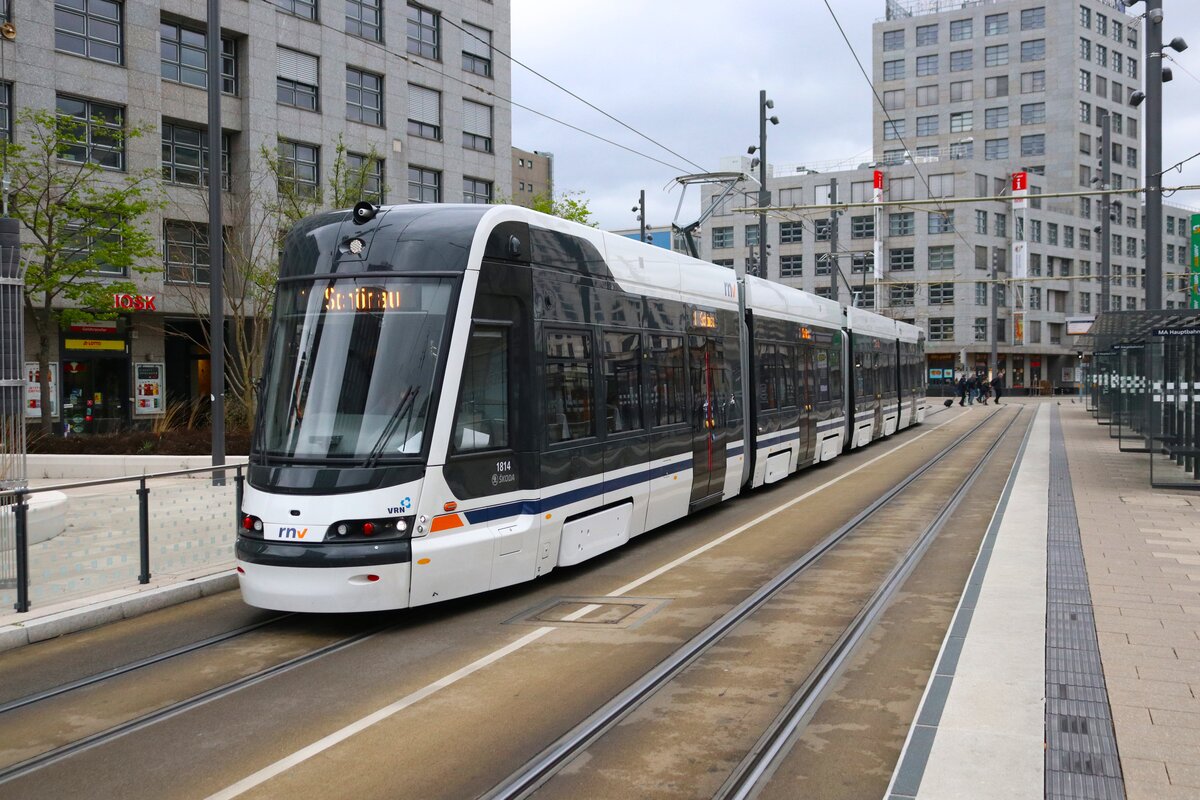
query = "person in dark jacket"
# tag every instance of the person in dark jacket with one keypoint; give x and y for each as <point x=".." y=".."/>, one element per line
<point x="998" y="385"/>
<point x="962" y="389"/>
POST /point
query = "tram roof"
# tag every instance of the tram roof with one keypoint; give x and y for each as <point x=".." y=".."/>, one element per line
<point x="1133" y="327"/>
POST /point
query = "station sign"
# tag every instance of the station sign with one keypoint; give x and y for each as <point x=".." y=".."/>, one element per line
<point x="1194" y="294"/>
<point x="1020" y="190"/>
<point x="1177" y="330"/>
<point x="134" y="302"/>
<point x="1079" y="326"/>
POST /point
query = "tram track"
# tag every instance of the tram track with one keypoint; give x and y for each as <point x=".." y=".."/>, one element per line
<point x="56" y="754"/>
<point x="533" y="775"/>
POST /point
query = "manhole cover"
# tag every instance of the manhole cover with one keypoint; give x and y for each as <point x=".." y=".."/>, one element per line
<point x="597" y="612"/>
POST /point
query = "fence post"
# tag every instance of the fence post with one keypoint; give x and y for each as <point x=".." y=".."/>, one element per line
<point x="22" y="544"/>
<point x="144" y="530"/>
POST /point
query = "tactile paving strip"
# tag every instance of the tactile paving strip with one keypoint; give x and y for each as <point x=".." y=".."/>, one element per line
<point x="1081" y="748"/>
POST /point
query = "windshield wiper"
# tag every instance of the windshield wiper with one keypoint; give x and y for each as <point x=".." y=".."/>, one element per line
<point x="406" y="405"/>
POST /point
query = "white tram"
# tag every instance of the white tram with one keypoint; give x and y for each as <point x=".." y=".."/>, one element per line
<point x="460" y="398"/>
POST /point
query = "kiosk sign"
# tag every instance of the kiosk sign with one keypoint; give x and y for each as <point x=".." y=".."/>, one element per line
<point x="1194" y="295"/>
<point x="1020" y="190"/>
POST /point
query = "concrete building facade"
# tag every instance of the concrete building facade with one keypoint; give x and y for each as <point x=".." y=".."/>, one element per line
<point x="389" y="84"/>
<point x="971" y="93"/>
<point x="532" y="176"/>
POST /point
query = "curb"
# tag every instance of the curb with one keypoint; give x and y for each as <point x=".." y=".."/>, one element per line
<point x="19" y="634"/>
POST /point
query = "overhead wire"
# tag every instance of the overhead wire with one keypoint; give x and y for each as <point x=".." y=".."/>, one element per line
<point x="562" y="88"/>
<point x="484" y="90"/>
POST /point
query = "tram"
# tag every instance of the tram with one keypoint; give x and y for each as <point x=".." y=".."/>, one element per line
<point x="458" y="398"/>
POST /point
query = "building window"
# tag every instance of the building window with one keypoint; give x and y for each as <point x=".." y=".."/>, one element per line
<point x="959" y="150"/>
<point x="1085" y="112"/>
<point x="296" y="83"/>
<point x="941" y="294"/>
<point x="893" y="100"/>
<point x="364" y="96"/>
<point x="364" y="19"/>
<point x="89" y="28"/>
<point x="942" y="222"/>
<point x="901" y="259"/>
<point x="1101" y="55"/>
<point x="902" y="224"/>
<point x="959" y="92"/>
<point x="927" y="96"/>
<point x="824" y="264"/>
<point x="78" y="245"/>
<point x="962" y="121"/>
<point x="307" y="9"/>
<point x="1033" y="18"/>
<point x="1085" y="48"/>
<point x="1052" y="237"/>
<point x="1033" y="113"/>
<point x="1001" y="225"/>
<point x="981" y="293"/>
<point x="184" y="57"/>
<point x="941" y="329"/>
<point x="941" y="257"/>
<point x="6" y="111"/>
<point x="185" y="156"/>
<point x="941" y="185"/>
<point x="995" y="24"/>
<point x="996" y="86"/>
<point x="902" y="188"/>
<point x="1117" y="62"/>
<point x="1032" y="82"/>
<point x="424" y="32"/>
<point x="99" y="129"/>
<point x="1034" y="145"/>
<point x="752" y="235"/>
<point x="367" y="172"/>
<point x="1035" y="297"/>
<point x="299" y="168"/>
<point x="1085" y="16"/>
<point x="902" y="294"/>
<point x="996" y="55"/>
<point x="996" y="117"/>
<point x="185" y="252"/>
<point x="862" y="227"/>
<point x="722" y="237"/>
<point x="1085" y="80"/>
<point x="424" y="112"/>
<point x="927" y="65"/>
<point x="981" y="325"/>
<point x="960" y="29"/>
<point x="927" y="34"/>
<point x="962" y="60"/>
<point x="424" y="185"/>
<point x="893" y="70"/>
<point x="893" y="130"/>
<point x="823" y="230"/>
<point x="477" y="50"/>
<point x="927" y="126"/>
<point x="893" y="40"/>
<point x="791" y="233"/>
<point x="981" y="222"/>
<point x="477" y="126"/>
<point x="476" y="190"/>
<point x="791" y="266"/>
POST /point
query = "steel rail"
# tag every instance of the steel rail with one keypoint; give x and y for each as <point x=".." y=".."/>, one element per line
<point x="529" y="777"/>
<point x="760" y="763"/>
<point x="36" y="697"/>
<point x="22" y="768"/>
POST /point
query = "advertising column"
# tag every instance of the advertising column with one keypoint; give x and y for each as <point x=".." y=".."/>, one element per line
<point x="877" y="253"/>
<point x="1020" y="255"/>
<point x="1194" y="262"/>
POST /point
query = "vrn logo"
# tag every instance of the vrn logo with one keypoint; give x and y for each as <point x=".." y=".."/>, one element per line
<point x="405" y="505"/>
<point x="292" y="533"/>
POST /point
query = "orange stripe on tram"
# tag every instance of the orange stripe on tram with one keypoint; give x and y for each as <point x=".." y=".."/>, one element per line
<point x="445" y="523"/>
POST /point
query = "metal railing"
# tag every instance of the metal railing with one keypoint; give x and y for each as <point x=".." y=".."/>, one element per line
<point x="203" y="494"/>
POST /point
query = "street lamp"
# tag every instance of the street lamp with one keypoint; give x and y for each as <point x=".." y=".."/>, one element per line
<point x="764" y="196"/>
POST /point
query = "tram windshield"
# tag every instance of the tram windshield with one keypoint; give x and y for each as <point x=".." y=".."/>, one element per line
<point x="352" y="366"/>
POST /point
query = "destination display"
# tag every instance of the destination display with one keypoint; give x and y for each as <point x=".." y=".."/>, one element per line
<point x="362" y="298"/>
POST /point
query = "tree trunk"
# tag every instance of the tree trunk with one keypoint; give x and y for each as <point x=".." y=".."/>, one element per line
<point x="43" y="320"/>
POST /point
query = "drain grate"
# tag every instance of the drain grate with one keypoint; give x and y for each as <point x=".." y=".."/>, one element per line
<point x="1081" y="748"/>
<point x="592" y="612"/>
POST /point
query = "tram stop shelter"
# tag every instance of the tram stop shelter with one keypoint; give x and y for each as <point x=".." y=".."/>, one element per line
<point x="1143" y="382"/>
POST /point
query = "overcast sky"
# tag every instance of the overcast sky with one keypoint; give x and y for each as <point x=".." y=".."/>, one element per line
<point x="687" y="74"/>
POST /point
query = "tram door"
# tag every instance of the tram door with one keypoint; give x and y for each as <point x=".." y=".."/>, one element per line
<point x="708" y="425"/>
<point x="808" y="401"/>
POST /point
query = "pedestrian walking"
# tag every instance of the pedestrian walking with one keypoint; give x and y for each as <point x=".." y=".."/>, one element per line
<point x="998" y="385"/>
<point x="962" y="389"/>
<point x="972" y="389"/>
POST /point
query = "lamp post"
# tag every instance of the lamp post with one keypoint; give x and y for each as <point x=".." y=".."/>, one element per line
<point x="764" y="196"/>
<point x="1155" y="76"/>
<point x="216" y="238"/>
<point x="640" y="210"/>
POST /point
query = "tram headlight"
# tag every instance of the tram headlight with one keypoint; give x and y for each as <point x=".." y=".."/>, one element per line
<point x="342" y="529"/>
<point x="361" y="530"/>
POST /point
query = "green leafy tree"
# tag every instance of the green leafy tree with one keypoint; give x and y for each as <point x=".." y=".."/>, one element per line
<point x="83" y="222"/>
<point x="260" y="210"/>
<point x="571" y="206"/>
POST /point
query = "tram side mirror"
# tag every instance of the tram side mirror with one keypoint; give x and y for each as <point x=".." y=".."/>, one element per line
<point x="364" y="212"/>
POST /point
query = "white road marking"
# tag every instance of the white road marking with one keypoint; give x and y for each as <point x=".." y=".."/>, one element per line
<point x="339" y="736"/>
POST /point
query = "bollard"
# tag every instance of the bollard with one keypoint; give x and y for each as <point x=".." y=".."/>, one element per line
<point x="22" y="543"/>
<point x="144" y="531"/>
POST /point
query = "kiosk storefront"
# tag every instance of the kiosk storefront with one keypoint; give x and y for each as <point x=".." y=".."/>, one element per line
<point x="94" y="377"/>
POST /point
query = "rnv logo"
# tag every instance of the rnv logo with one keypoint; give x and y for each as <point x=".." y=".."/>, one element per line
<point x="292" y="533"/>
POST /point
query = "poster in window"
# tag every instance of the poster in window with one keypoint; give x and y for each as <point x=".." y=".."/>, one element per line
<point x="33" y="390"/>
<point x="147" y="389"/>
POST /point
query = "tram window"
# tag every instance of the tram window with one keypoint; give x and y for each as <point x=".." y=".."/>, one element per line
<point x="481" y="422"/>
<point x="822" y="376"/>
<point x="622" y="381"/>
<point x="569" y="386"/>
<point x="835" y="373"/>
<point x="668" y="384"/>
<point x="789" y="371"/>
<point x="768" y="383"/>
